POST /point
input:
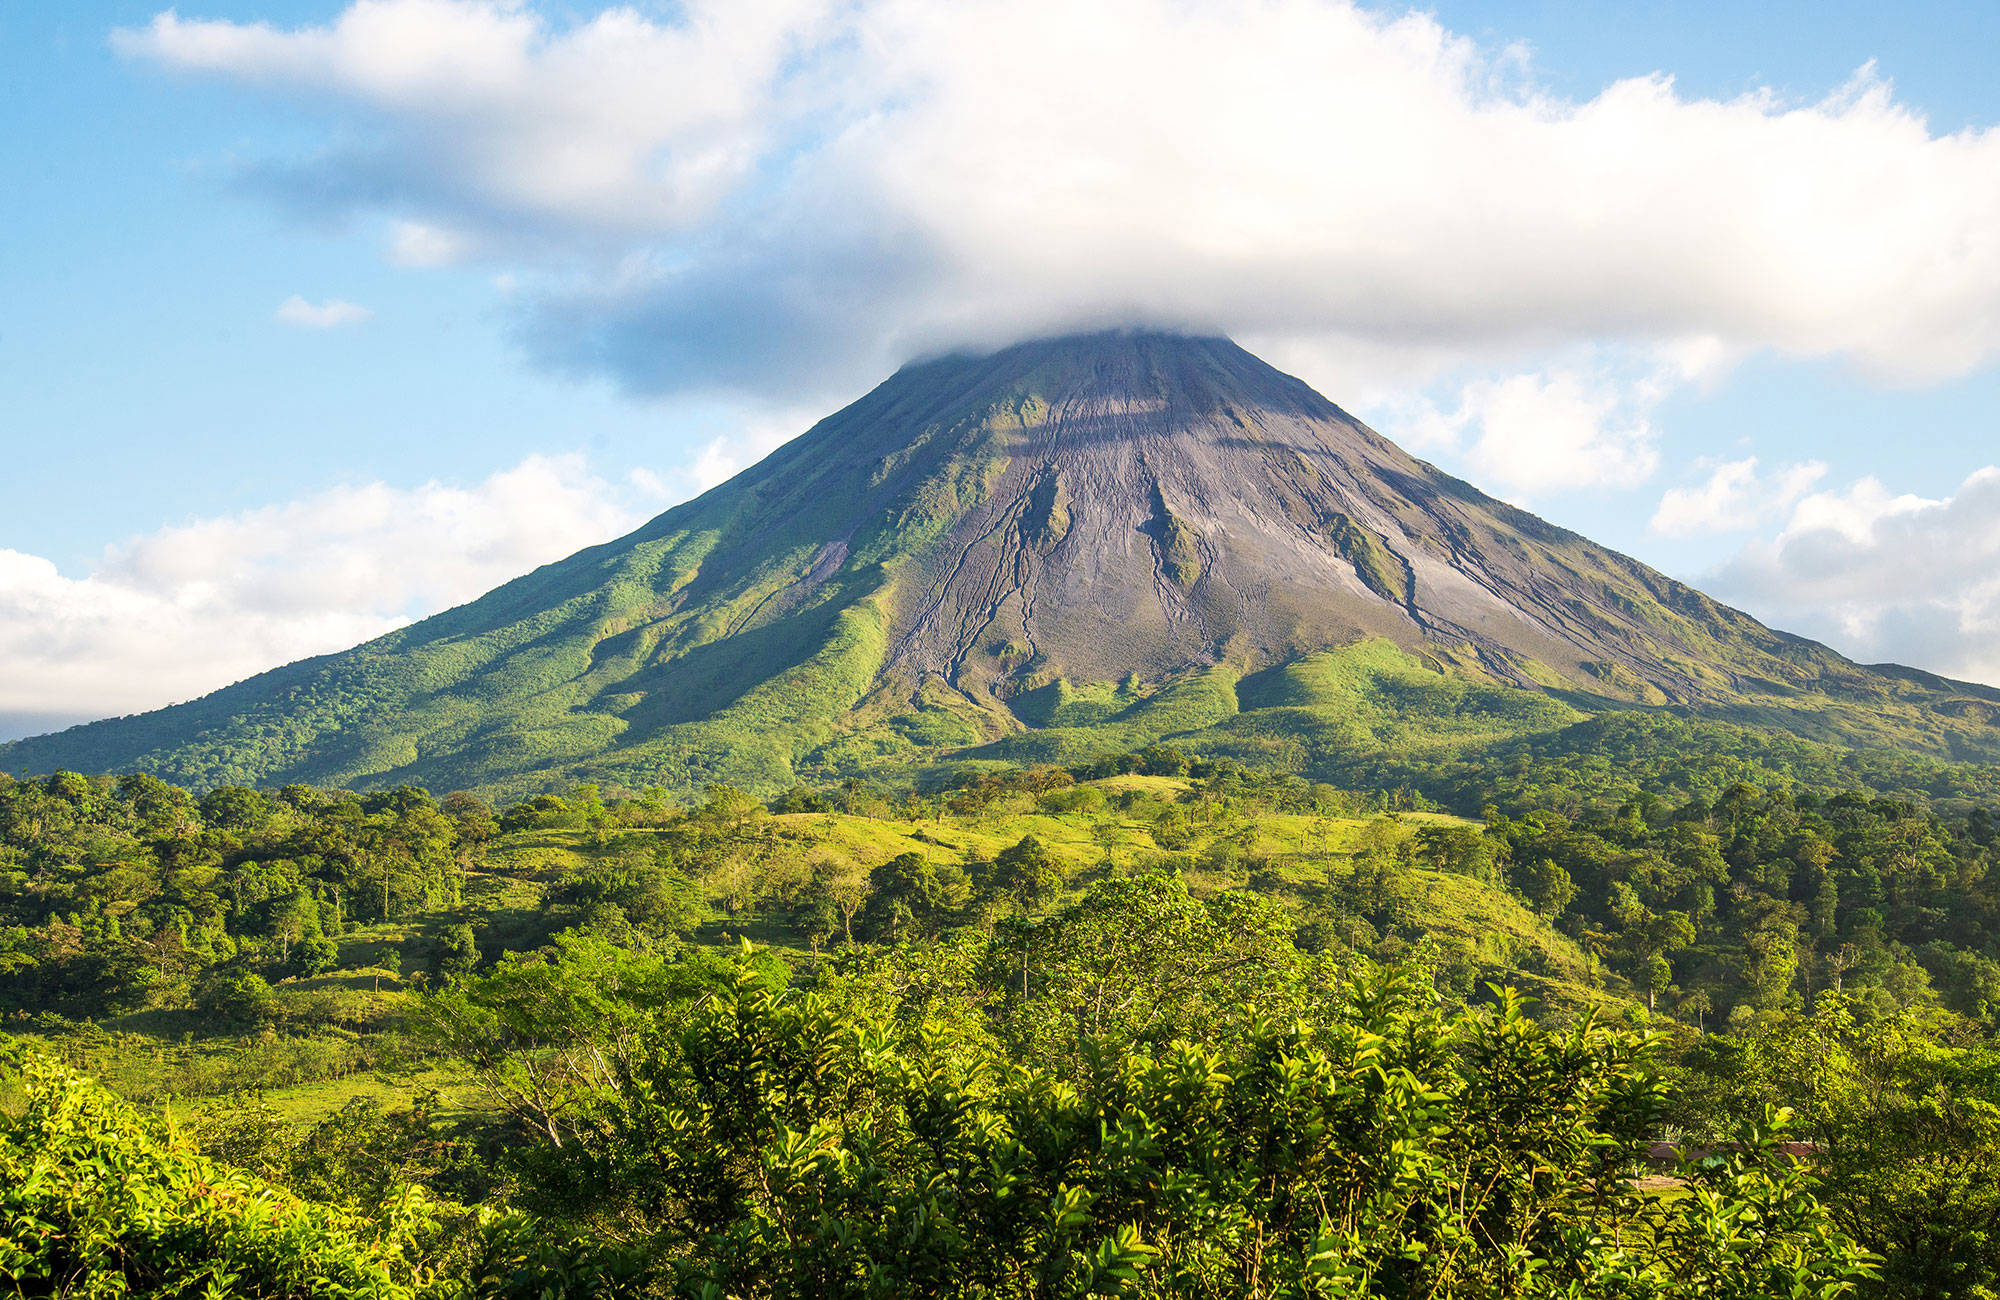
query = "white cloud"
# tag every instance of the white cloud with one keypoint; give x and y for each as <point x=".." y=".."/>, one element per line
<point x="617" y="122"/>
<point x="648" y="483"/>
<point x="416" y="244"/>
<point x="192" y="607"/>
<point x="1734" y="498"/>
<point x="1554" y="431"/>
<point x="1883" y="576"/>
<point x="1559" y="429"/>
<point x="790" y="195"/>
<point x="331" y="314"/>
<point x="723" y="458"/>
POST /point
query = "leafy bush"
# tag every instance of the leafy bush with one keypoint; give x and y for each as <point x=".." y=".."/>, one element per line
<point x="780" y="1146"/>
<point x="235" y="997"/>
<point x="96" y="1200"/>
<point x="454" y="951"/>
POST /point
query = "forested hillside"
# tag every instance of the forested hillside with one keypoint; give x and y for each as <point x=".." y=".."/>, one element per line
<point x="361" y="1000"/>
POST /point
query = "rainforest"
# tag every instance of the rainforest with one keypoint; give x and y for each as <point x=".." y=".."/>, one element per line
<point x="1153" y="1024"/>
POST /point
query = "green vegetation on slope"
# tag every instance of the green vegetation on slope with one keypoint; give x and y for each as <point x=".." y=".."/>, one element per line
<point x="351" y="997"/>
<point x="1382" y="574"/>
<point x="720" y="642"/>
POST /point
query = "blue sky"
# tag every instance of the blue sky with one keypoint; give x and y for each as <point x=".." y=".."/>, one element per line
<point x="144" y="376"/>
<point x="537" y="358"/>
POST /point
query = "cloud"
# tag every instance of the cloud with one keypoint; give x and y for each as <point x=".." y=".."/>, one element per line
<point x="618" y="122"/>
<point x="1570" y="426"/>
<point x="1885" y="576"/>
<point x="723" y="458"/>
<point x="192" y="607"/>
<point x="415" y="244"/>
<point x="1734" y="498"/>
<point x="780" y="196"/>
<point x="1538" y="432"/>
<point x="331" y="314"/>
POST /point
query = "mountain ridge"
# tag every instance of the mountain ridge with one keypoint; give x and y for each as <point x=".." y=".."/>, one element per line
<point x="909" y="577"/>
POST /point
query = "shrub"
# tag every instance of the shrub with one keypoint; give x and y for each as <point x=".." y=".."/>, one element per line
<point x="96" y="1200"/>
<point x="235" y="997"/>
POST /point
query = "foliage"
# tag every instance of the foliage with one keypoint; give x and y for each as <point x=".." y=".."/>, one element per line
<point x="783" y="1146"/>
<point x="1761" y="898"/>
<point x="236" y="997"/>
<point x="1047" y="957"/>
<point x="119" y="896"/>
<point x="1905" y="1116"/>
<point x="97" y="1201"/>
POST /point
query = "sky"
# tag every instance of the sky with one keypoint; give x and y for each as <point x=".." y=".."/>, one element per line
<point x="316" y="318"/>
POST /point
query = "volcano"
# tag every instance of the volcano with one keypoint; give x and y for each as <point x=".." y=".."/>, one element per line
<point x="1051" y="538"/>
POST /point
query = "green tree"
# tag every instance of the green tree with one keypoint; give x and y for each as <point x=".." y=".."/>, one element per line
<point x="390" y="963"/>
<point x="909" y="897"/>
<point x="1547" y="887"/>
<point x="730" y="809"/>
<point x="1460" y="850"/>
<point x="454" y="951"/>
<point x="314" y="955"/>
<point x="1026" y="874"/>
<point x="1909" y="1131"/>
<point x="1140" y="960"/>
<point x="235" y="997"/>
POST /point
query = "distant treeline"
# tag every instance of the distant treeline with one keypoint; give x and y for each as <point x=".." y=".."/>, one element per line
<point x="1612" y="759"/>
<point x="116" y="895"/>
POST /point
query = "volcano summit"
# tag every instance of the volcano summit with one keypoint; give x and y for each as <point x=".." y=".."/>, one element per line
<point x="1090" y="541"/>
